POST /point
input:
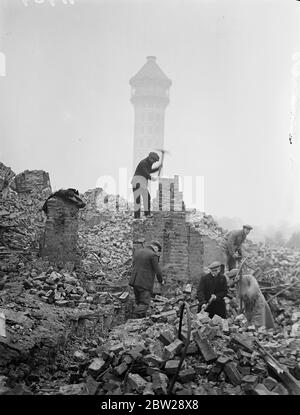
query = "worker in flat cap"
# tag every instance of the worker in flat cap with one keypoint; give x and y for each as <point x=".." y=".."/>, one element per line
<point x="145" y="268"/>
<point x="211" y="291"/>
<point x="232" y="246"/>
<point x="140" y="184"/>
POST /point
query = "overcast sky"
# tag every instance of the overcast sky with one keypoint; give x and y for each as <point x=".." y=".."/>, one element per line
<point x="65" y="100"/>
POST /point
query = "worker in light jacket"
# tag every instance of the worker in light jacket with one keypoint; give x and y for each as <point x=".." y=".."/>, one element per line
<point x="232" y="246"/>
<point x="145" y="268"/>
<point x="211" y="291"/>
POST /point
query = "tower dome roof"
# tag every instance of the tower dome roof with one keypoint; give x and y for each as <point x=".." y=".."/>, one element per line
<point x="150" y="71"/>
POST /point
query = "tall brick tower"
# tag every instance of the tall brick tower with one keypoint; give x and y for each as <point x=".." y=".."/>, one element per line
<point x="150" y="97"/>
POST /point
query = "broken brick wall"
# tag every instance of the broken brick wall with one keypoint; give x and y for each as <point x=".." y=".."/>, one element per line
<point x="211" y="251"/>
<point x="21" y="201"/>
<point x="61" y="232"/>
<point x="195" y="253"/>
<point x="31" y="181"/>
<point x="100" y="206"/>
<point x="6" y="176"/>
<point x="168" y="197"/>
<point x="182" y="246"/>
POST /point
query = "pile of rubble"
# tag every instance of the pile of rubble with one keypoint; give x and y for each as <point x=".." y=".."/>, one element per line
<point x="205" y="224"/>
<point x="68" y="289"/>
<point x="35" y="329"/>
<point x="275" y="268"/>
<point x="21" y="217"/>
<point x="105" y="237"/>
<point x="276" y="265"/>
<point x="79" y="316"/>
<point x="143" y="356"/>
<point x="278" y="273"/>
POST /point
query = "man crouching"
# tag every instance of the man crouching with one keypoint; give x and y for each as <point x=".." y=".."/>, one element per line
<point x="145" y="267"/>
<point x="211" y="291"/>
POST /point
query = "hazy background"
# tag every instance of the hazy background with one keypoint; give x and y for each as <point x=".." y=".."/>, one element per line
<point x="65" y="101"/>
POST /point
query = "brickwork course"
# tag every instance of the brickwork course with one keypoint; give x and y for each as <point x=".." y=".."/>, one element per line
<point x="61" y="232"/>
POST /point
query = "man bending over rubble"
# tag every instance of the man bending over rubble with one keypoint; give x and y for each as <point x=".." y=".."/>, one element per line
<point x="211" y="291"/>
<point x="256" y="309"/>
<point x="232" y="244"/>
<point x="145" y="267"/>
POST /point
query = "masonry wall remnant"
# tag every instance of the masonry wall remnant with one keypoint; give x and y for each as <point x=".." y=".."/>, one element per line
<point x="31" y="181"/>
<point x="6" y="176"/>
<point x="182" y="247"/>
<point x="168" y="197"/>
<point x="59" y="243"/>
<point x="186" y="251"/>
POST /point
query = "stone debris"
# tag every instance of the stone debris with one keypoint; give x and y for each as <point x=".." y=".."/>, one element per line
<point x="137" y="362"/>
<point x="67" y="329"/>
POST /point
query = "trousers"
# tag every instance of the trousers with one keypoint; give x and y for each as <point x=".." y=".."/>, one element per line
<point x="139" y="191"/>
<point x="142" y="300"/>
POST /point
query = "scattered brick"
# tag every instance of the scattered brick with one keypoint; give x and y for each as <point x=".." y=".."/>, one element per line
<point x="171" y="367"/>
<point x="232" y="373"/>
<point x="205" y="348"/>
<point x="96" y="367"/>
<point x="187" y="375"/>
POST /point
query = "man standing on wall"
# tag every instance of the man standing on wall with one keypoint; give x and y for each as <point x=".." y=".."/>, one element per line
<point x="145" y="267"/>
<point x="140" y="184"/>
<point x="232" y="245"/>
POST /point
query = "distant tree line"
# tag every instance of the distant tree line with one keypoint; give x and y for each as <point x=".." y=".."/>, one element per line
<point x="278" y="240"/>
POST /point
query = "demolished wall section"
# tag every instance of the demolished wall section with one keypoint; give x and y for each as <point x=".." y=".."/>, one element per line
<point x="195" y="254"/>
<point x="182" y="247"/>
<point x="61" y="232"/>
<point x="6" y="176"/>
<point x="21" y="216"/>
<point x="31" y="181"/>
<point x="168" y="197"/>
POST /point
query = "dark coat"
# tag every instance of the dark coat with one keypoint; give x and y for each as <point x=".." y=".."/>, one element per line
<point x="213" y="285"/>
<point x="143" y="170"/>
<point x="233" y="241"/>
<point x="145" y="267"/>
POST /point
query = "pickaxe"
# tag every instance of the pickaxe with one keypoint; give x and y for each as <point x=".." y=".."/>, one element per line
<point x="162" y="158"/>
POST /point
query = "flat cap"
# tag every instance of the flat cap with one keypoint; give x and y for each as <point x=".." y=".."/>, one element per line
<point x="214" y="264"/>
<point x="154" y="156"/>
<point x="247" y="227"/>
<point x="156" y="243"/>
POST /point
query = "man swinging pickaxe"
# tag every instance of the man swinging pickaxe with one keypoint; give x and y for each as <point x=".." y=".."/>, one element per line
<point x="162" y="159"/>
